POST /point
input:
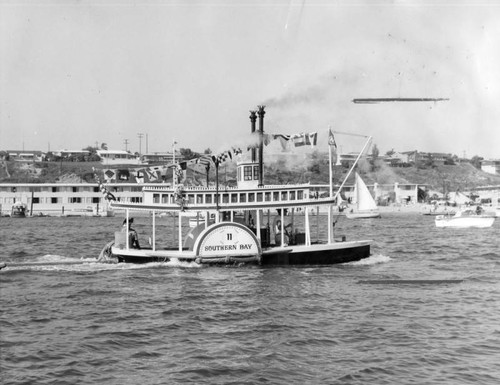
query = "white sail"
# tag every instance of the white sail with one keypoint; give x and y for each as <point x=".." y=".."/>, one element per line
<point x="364" y="200"/>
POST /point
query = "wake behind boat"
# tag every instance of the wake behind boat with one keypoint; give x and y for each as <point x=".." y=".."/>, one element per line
<point x="366" y="207"/>
<point x="465" y="218"/>
<point x="249" y="223"/>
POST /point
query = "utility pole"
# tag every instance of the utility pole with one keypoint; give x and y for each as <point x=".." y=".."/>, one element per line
<point x="126" y="144"/>
<point x="140" y="142"/>
<point x="173" y="161"/>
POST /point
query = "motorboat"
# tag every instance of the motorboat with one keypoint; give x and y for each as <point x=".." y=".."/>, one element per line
<point x="19" y="210"/>
<point x="251" y="223"/>
<point x="465" y="218"/>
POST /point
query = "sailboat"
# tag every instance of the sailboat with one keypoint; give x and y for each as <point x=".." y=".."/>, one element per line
<point x="365" y="204"/>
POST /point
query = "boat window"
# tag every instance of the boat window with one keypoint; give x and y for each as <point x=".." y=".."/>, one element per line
<point x="199" y="198"/>
<point x="267" y="196"/>
<point x="284" y="195"/>
<point x="190" y="198"/>
<point x="208" y="198"/>
<point x="247" y="172"/>
<point x="276" y="196"/>
<point x="251" y="197"/>
<point x="164" y="198"/>
<point x="243" y="197"/>
<point x="259" y="197"/>
<point x="234" y="198"/>
<point x="225" y="198"/>
<point x="156" y="198"/>
<point x="292" y="195"/>
<point x="300" y="194"/>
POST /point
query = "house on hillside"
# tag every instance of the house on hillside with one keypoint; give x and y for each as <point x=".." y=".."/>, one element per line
<point x="66" y="154"/>
<point x="415" y="157"/>
<point x="118" y="157"/>
<point x="395" y="159"/>
<point x="26" y="156"/>
<point x="491" y="166"/>
<point x="161" y="157"/>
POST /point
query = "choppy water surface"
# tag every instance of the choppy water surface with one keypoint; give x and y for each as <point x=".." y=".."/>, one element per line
<point x="165" y="323"/>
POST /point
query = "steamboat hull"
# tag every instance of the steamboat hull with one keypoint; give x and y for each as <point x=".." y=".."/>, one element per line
<point x="322" y="256"/>
<point x="316" y="254"/>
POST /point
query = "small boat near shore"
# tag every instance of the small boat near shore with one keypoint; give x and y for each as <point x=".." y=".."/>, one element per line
<point x="366" y="207"/>
<point x="464" y="219"/>
<point x="249" y="223"/>
<point x="19" y="210"/>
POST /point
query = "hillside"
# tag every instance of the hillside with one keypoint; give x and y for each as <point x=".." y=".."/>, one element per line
<point x="454" y="177"/>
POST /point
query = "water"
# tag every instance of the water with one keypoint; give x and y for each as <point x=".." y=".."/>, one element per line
<point x="171" y="323"/>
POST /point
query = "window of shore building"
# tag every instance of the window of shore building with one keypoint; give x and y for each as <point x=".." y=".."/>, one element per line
<point x="243" y="197"/>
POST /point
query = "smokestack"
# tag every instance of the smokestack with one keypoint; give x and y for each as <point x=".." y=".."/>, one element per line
<point x="253" y="119"/>
<point x="261" y="114"/>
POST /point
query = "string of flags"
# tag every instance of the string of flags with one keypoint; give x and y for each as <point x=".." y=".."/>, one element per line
<point x="159" y="173"/>
<point x="107" y="195"/>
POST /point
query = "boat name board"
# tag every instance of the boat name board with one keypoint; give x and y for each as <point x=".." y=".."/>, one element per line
<point x="227" y="239"/>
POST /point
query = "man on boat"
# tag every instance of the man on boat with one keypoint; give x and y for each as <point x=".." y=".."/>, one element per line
<point x="132" y="234"/>
<point x="277" y="232"/>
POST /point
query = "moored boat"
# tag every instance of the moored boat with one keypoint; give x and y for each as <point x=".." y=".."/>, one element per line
<point x="249" y="223"/>
<point x="19" y="210"/>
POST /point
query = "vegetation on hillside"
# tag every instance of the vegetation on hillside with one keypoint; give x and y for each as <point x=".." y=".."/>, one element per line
<point x="281" y="170"/>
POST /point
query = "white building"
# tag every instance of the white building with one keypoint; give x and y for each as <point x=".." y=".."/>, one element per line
<point x="491" y="166"/>
<point x="118" y="157"/>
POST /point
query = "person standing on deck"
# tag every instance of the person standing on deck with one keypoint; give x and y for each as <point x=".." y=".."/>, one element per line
<point x="132" y="234"/>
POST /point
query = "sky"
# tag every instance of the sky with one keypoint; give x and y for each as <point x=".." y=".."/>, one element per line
<point x="77" y="73"/>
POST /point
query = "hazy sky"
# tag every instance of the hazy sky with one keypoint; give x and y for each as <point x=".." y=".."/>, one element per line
<point x="73" y="73"/>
